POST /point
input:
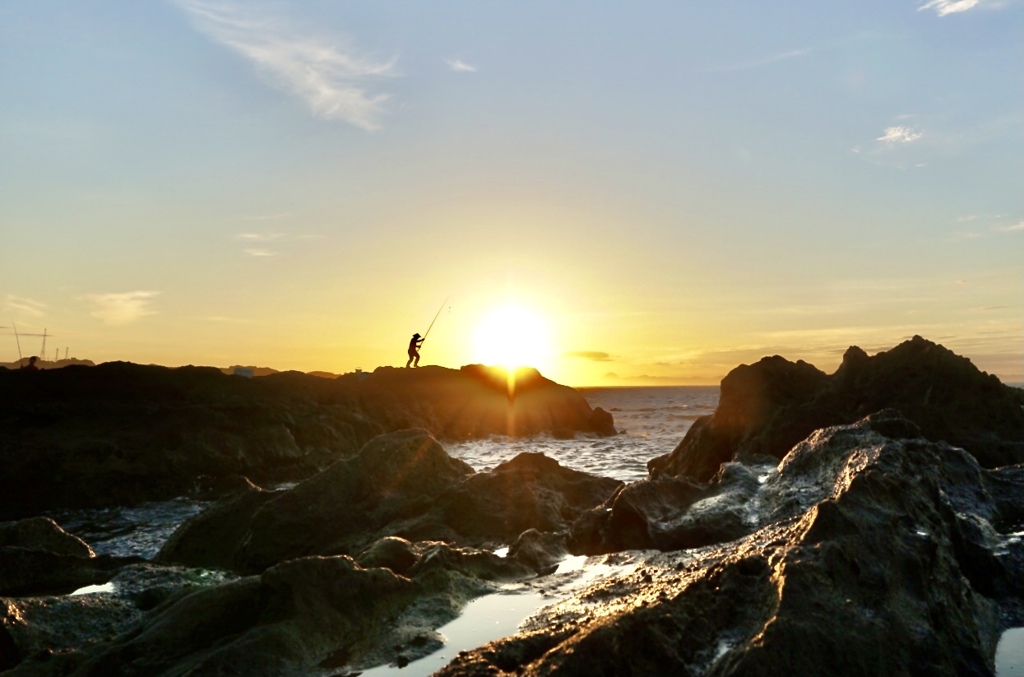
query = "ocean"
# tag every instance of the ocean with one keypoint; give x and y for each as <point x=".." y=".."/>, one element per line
<point x="651" y="421"/>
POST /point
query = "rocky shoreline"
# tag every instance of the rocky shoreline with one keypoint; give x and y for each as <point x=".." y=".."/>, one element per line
<point x="866" y="522"/>
<point x="121" y="433"/>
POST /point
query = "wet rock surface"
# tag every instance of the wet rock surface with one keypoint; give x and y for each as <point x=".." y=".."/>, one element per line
<point x="122" y="433"/>
<point x="767" y="407"/>
<point x="402" y="484"/>
<point x="865" y="555"/>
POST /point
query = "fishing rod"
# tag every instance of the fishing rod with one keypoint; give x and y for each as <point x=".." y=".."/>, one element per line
<point x="16" y="338"/>
<point x="436" y="315"/>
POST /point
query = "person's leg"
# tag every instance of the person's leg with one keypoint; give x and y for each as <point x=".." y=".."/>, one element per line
<point x="409" y="361"/>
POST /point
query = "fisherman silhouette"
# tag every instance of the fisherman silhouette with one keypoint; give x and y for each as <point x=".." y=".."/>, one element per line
<point x="31" y="366"/>
<point x="414" y="350"/>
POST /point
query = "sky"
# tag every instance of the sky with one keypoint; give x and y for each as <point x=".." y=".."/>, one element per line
<point x="616" y="193"/>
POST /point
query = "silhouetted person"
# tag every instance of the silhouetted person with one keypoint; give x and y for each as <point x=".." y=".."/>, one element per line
<point x="414" y="350"/>
<point x="31" y="366"/>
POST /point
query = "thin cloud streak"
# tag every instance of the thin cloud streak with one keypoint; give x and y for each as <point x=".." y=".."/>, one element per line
<point x="328" y="80"/>
<point x="121" y="308"/>
<point x="25" y="306"/>
<point x="260" y="237"/>
<point x="1015" y="228"/>
<point x="945" y="7"/>
<point x="460" y="66"/>
<point x="266" y="239"/>
<point x="592" y="355"/>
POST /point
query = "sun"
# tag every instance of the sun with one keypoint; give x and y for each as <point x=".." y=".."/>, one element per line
<point x="512" y="336"/>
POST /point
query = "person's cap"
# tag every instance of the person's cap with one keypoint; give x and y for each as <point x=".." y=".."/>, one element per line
<point x="415" y="335"/>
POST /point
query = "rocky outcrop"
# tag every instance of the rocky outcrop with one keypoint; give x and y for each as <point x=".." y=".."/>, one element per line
<point x="404" y="485"/>
<point x="766" y="408"/>
<point x="37" y="556"/>
<point x="865" y="555"/>
<point x="340" y="510"/>
<point x="530" y="491"/>
<point x="122" y="433"/>
<point x="477" y="401"/>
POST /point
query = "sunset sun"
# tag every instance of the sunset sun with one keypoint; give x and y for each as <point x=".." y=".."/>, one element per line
<point x="512" y="336"/>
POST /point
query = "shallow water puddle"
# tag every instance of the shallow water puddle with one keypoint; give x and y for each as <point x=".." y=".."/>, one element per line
<point x="92" y="589"/>
<point x="483" y="620"/>
<point x="1010" y="654"/>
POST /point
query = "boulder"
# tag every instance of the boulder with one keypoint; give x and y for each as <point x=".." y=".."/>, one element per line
<point x="530" y="491"/>
<point x="867" y="555"/>
<point x="541" y="551"/>
<point x="42" y="533"/>
<point x="766" y="408"/>
<point x="343" y="509"/>
<point x="37" y="556"/>
<point x="212" y="538"/>
<point x="669" y="513"/>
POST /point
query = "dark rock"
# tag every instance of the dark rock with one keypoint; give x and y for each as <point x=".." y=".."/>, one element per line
<point x="602" y="422"/>
<point x="42" y="533"/>
<point x="539" y="550"/>
<point x="867" y="556"/>
<point x="669" y="513"/>
<point x="37" y="557"/>
<point x="477" y="401"/>
<point x="296" y="618"/>
<point x="121" y="433"/>
<point x="530" y="491"/>
<point x="213" y="538"/>
<point x="390" y="552"/>
<point x="342" y="509"/>
<point x="404" y="485"/>
<point x="54" y="635"/>
<point x="766" y="408"/>
<point x="477" y="564"/>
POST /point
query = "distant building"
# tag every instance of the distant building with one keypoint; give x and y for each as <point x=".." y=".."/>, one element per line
<point x="243" y="371"/>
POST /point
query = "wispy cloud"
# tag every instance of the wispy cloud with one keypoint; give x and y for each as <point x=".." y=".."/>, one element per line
<point x="1015" y="228"/>
<point x="900" y="135"/>
<point x="25" y="306"/>
<point x="460" y="66"/>
<point x="121" y="308"/>
<point x="262" y="241"/>
<point x="329" y="79"/>
<point x="260" y="237"/>
<point x="592" y="355"/>
<point x="944" y="7"/>
<point x="764" y="61"/>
